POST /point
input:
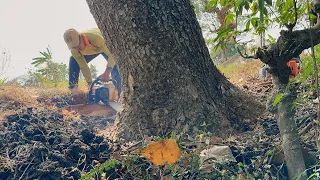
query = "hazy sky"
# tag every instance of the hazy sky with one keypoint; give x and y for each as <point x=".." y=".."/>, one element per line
<point x="29" y="26"/>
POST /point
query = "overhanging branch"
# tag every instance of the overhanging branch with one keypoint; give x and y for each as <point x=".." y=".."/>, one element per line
<point x="288" y="45"/>
<point x="245" y="54"/>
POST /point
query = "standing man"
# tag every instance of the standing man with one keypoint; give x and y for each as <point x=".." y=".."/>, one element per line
<point x="85" y="47"/>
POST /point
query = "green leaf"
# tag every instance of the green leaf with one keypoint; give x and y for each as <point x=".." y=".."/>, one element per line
<point x="229" y="18"/>
<point x="222" y="2"/>
<point x="49" y="52"/>
<point x="311" y="176"/>
<point x="254" y="7"/>
<point x="39" y="59"/>
<point x="307" y="70"/>
<point x="239" y="12"/>
<point x="37" y="63"/>
<point x="3" y="81"/>
<point x="246" y="5"/>
<point x="270" y="152"/>
<point x="254" y="22"/>
<point x="278" y="99"/>
<point x="211" y="4"/>
<point x="271" y="39"/>
<point x="229" y="3"/>
<point x="248" y="25"/>
<point x="238" y="3"/>
<point x="43" y="54"/>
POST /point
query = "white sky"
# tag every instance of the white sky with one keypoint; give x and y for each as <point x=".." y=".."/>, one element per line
<point x="29" y="26"/>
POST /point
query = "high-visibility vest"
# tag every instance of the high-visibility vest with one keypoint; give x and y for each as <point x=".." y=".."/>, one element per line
<point x="86" y="40"/>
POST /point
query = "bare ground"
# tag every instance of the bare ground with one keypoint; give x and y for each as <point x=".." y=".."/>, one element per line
<point x="49" y="133"/>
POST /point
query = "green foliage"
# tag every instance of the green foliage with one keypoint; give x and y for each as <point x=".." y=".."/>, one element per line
<point x="47" y="72"/>
<point x="287" y="11"/>
<point x="308" y="66"/>
<point x="3" y="81"/>
<point x="212" y="3"/>
<point x="210" y="23"/>
<point x="316" y="174"/>
<point x="255" y="16"/>
<point x="106" y="166"/>
<point x="270" y="152"/>
<point x="271" y="39"/>
<point x="189" y="166"/>
<point x="217" y="54"/>
<point x="94" y="71"/>
<point x="46" y="56"/>
<point x="278" y="99"/>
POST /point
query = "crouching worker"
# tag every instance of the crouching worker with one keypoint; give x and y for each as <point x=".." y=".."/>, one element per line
<point x="84" y="47"/>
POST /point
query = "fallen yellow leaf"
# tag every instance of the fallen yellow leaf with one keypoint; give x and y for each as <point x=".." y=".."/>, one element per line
<point x="162" y="152"/>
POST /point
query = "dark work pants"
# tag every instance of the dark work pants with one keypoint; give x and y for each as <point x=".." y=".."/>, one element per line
<point x="74" y="71"/>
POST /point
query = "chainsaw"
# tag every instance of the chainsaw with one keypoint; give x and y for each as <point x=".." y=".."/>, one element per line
<point x="105" y="93"/>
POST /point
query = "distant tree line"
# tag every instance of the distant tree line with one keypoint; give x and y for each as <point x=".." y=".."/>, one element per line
<point x="47" y="73"/>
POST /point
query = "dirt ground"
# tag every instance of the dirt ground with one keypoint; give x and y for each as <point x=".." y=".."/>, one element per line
<point x="49" y="134"/>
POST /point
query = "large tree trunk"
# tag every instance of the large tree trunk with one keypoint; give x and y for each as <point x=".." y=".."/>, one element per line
<point x="170" y="83"/>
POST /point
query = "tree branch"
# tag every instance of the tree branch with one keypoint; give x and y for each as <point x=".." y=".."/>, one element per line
<point x="245" y="54"/>
<point x="288" y="45"/>
<point x="290" y="26"/>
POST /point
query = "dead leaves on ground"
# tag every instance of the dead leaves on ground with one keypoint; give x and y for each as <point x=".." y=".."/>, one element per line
<point x="166" y="151"/>
<point x="162" y="152"/>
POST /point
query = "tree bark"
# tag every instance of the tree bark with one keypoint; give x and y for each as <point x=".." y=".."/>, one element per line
<point x="170" y="84"/>
<point x="290" y="44"/>
<point x="289" y="133"/>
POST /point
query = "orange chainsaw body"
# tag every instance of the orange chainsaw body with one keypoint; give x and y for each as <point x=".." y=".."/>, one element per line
<point x="295" y="66"/>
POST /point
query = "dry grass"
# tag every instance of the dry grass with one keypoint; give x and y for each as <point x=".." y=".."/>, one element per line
<point x="28" y="95"/>
<point x="238" y="72"/>
<point x="25" y="96"/>
<point x="13" y="98"/>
